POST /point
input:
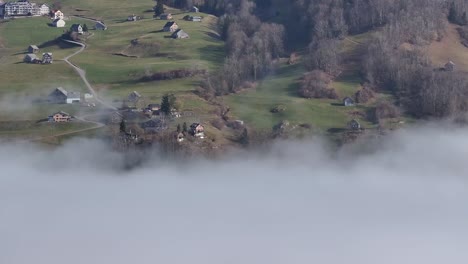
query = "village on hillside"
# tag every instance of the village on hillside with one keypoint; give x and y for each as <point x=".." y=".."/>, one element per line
<point x="150" y="119"/>
<point x="212" y="73"/>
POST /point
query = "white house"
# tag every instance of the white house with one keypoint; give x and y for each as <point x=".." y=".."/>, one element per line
<point x="44" y="10"/>
<point x="60" y="23"/>
<point x="58" y="15"/>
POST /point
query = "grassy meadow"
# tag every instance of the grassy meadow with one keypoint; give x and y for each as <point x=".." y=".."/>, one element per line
<point x="114" y="71"/>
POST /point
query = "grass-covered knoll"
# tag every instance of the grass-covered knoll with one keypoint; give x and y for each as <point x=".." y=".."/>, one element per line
<point x="21" y="79"/>
<point x="104" y="67"/>
<point x="254" y="106"/>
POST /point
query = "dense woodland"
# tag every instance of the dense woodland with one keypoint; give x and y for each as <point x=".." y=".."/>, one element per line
<point x="259" y="32"/>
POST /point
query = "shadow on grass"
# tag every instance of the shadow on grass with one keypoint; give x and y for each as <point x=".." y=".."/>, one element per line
<point x="336" y="130"/>
<point x="56" y="42"/>
<point x="337" y="104"/>
<point x="213" y="36"/>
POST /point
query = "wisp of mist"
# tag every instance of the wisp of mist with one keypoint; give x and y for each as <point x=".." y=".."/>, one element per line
<point x="402" y="202"/>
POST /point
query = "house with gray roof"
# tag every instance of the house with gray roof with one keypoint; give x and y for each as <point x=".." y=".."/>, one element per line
<point x="77" y="28"/>
<point x="180" y="34"/>
<point x="100" y="26"/>
<point x="170" y="27"/>
<point x="30" y="58"/>
<point x="33" y="49"/>
<point x="133" y="97"/>
<point x="61" y="96"/>
<point x="154" y="125"/>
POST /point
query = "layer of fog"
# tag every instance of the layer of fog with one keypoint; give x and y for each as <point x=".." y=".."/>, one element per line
<point x="401" y="202"/>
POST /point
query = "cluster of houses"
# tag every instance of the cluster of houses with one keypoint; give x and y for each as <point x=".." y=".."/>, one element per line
<point x="31" y="56"/>
<point x="23" y="8"/>
<point x="153" y="122"/>
<point x="177" y="33"/>
<point x="133" y="17"/>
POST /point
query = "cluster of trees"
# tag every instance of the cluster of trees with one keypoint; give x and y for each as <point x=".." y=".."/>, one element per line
<point x="168" y="103"/>
<point x="173" y="74"/>
<point x="458" y="12"/>
<point x="315" y="84"/>
<point x="409" y="74"/>
<point x="251" y="48"/>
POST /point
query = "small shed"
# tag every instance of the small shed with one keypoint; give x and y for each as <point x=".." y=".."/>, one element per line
<point x="47" y="58"/>
<point x="354" y="125"/>
<point x="33" y="49"/>
<point x="30" y="58"/>
<point x="180" y="34"/>
<point x="100" y="26"/>
<point x="348" y="101"/>
<point x="170" y="27"/>
<point x="194" y="9"/>
<point x="165" y="16"/>
<point x="195" y="18"/>
<point x="180" y="137"/>
<point x="132" y="18"/>
<point x="449" y="66"/>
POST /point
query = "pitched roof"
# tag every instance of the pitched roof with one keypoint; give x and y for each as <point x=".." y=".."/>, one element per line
<point x="61" y="90"/>
<point x="450" y="63"/>
<point x="33" y="46"/>
<point x="134" y="93"/>
<point x="169" y="24"/>
<point x="153" y="123"/>
<point x="31" y="56"/>
<point x="100" y="24"/>
<point x="62" y="113"/>
<point x="180" y="34"/>
<point x="73" y="95"/>
<point x="75" y="27"/>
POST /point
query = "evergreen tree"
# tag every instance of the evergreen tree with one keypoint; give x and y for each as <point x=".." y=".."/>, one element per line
<point x="452" y="13"/>
<point x="244" y="138"/>
<point x="159" y="9"/>
<point x="184" y="127"/>
<point x="123" y="126"/>
<point x="85" y="28"/>
<point x="165" y="105"/>
<point x="178" y="128"/>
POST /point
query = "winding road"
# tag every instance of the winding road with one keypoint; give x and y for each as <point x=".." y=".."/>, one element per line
<point x="82" y="73"/>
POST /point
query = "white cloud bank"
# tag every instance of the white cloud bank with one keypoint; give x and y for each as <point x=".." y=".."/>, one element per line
<point x="403" y="203"/>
